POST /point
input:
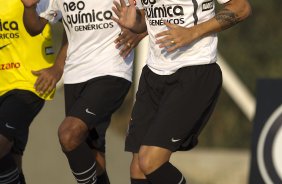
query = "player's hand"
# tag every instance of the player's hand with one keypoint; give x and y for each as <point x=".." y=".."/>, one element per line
<point x="29" y="3"/>
<point x="126" y="15"/>
<point x="175" y="37"/>
<point x="127" y="41"/>
<point x="47" y="79"/>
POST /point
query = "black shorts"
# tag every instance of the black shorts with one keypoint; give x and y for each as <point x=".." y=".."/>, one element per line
<point x="97" y="136"/>
<point x="171" y="110"/>
<point x="17" y="110"/>
<point x="94" y="102"/>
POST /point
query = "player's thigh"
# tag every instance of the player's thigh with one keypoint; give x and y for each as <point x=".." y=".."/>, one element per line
<point x="17" y="110"/>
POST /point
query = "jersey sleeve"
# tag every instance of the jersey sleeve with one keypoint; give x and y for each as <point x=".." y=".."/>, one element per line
<point x="222" y="1"/>
<point x="47" y="9"/>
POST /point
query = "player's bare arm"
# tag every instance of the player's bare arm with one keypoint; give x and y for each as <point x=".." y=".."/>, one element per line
<point x="233" y="12"/>
<point x="29" y="3"/>
<point x="33" y="23"/>
<point x="129" y="17"/>
<point x="47" y="78"/>
<point x="176" y="36"/>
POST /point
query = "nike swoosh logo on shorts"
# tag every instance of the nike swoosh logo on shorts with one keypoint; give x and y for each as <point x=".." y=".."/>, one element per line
<point x="89" y="112"/>
<point x="8" y="126"/>
<point x="175" y="140"/>
<point x="2" y="47"/>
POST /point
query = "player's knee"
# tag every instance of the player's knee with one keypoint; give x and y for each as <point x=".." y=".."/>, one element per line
<point x="5" y="145"/>
<point x="65" y="139"/>
<point x="135" y="171"/>
<point x="146" y="163"/>
<point x="69" y="138"/>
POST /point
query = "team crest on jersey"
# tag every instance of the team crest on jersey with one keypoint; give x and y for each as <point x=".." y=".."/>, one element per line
<point x="208" y="5"/>
<point x="49" y="50"/>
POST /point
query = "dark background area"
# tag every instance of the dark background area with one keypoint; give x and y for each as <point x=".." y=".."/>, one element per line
<point x="253" y="50"/>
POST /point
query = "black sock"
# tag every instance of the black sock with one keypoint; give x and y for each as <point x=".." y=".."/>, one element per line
<point x="22" y="178"/>
<point x="167" y="173"/>
<point x="9" y="172"/>
<point x="139" y="181"/>
<point x="82" y="164"/>
<point x="103" y="178"/>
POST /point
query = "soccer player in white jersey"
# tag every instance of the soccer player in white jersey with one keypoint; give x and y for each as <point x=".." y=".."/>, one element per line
<point x="97" y="74"/>
<point x="181" y="82"/>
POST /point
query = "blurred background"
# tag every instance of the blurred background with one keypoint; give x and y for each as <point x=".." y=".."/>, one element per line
<point x="252" y="50"/>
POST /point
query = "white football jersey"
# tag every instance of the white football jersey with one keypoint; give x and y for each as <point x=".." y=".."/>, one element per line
<point x="91" y="34"/>
<point x="185" y="13"/>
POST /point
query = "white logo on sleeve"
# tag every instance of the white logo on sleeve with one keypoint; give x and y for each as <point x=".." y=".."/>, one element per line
<point x="89" y="112"/>
<point x="9" y="126"/>
<point x="175" y="140"/>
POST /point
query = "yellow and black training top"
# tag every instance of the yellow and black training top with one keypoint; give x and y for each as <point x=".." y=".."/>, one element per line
<point x="21" y="53"/>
